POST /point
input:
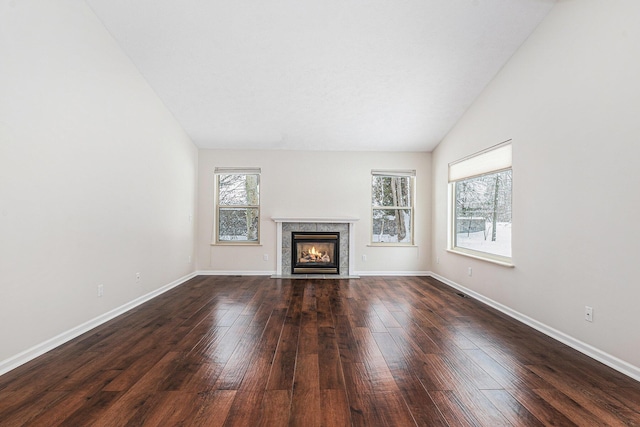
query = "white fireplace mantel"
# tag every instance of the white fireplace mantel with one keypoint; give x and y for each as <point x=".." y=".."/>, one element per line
<point x="336" y="220"/>
<point x="330" y="220"/>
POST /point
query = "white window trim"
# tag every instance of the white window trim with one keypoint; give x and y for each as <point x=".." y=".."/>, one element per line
<point x="411" y="173"/>
<point x="233" y="171"/>
<point x="494" y="159"/>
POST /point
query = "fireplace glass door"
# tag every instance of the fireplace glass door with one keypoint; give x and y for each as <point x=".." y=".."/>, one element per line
<point x="315" y="252"/>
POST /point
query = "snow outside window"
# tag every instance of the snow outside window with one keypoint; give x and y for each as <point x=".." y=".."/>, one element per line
<point x="392" y="207"/>
<point x="237" y="205"/>
<point x="481" y="187"/>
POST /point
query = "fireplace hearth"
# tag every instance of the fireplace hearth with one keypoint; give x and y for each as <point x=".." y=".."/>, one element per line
<point x="315" y="252"/>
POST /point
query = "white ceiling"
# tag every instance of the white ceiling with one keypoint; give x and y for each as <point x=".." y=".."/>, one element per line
<point x="374" y="75"/>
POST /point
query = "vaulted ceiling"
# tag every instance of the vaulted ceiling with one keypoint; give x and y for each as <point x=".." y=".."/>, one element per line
<point x="373" y="75"/>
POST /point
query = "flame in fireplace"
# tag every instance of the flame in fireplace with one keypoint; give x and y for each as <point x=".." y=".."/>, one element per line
<point x="314" y="255"/>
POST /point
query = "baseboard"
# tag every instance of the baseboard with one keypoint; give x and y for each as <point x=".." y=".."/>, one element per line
<point x="584" y="348"/>
<point x="39" y="349"/>
<point x="393" y="273"/>
<point x="234" y="273"/>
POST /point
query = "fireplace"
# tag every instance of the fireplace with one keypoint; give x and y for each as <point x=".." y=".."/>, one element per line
<point x="284" y="247"/>
<point x="315" y="252"/>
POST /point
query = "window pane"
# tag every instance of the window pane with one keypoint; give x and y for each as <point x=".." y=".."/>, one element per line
<point x="391" y="191"/>
<point x="483" y="213"/>
<point x="392" y="225"/>
<point x="238" y="190"/>
<point x="237" y="224"/>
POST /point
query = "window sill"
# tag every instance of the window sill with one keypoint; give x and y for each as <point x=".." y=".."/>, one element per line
<point x="482" y="258"/>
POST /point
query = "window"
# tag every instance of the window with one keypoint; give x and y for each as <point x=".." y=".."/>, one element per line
<point x="392" y="206"/>
<point x="237" y="205"/>
<point x="481" y="187"/>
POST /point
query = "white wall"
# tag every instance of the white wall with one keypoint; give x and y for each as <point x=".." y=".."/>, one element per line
<point x="569" y="99"/>
<point x="314" y="184"/>
<point x="97" y="180"/>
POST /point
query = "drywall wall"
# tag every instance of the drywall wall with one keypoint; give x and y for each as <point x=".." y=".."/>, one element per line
<point x="313" y="184"/>
<point x="97" y="180"/>
<point x="569" y="100"/>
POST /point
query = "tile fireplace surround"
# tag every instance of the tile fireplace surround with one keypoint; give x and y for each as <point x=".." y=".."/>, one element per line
<point x="283" y="240"/>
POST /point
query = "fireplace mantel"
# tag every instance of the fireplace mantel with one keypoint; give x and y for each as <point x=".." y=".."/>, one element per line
<point x="336" y="220"/>
<point x="350" y="223"/>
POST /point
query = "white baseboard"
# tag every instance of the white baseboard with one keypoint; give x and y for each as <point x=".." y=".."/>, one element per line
<point x="393" y="273"/>
<point x="597" y="354"/>
<point x="50" y="344"/>
<point x="234" y="273"/>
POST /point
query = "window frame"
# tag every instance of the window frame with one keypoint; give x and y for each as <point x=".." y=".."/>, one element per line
<point x="411" y="174"/>
<point x="218" y="206"/>
<point x="492" y="160"/>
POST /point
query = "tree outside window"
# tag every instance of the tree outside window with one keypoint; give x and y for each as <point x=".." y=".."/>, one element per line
<point x="392" y="207"/>
<point x="238" y="205"/>
<point x="483" y="213"/>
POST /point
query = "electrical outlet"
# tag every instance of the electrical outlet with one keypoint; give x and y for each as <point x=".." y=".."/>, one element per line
<point x="137" y="277"/>
<point x="364" y="258"/>
<point x="265" y="257"/>
<point x="437" y="260"/>
<point x="100" y="290"/>
<point x="470" y="272"/>
<point x="189" y="262"/>
<point x="588" y="313"/>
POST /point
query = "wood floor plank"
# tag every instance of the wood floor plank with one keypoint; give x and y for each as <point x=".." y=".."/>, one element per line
<point x="508" y="376"/>
<point x="276" y="406"/>
<point x="371" y="371"/>
<point x="477" y="404"/>
<point x="134" y="403"/>
<point x="91" y="413"/>
<point x="629" y="397"/>
<point x="218" y="344"/>
<point x="511" y="409"/>
<point x="600" y="403"/>
<point x="329" y="365"/>
<point x="305" y="405"/>
<point x="423" y="409"/>
<point x="308" y="343"/>
<point x="375" y="351"/>
<point x="204" y="379"/>
<point x="335" y="408"/>
<point x="571" y="409"/>
<point x="20" y="414"/>
<point x="282" y="370"/>
<point x="234" y="371"/>
<point x="178" y="408"/>
<point x="246" y="409"/>
<point x="453" y="410"/>
<point x="387" y="409"/>
<point x="540" y="408"/>
<point x="261" y="362"/>
<point x="324" y="296"/>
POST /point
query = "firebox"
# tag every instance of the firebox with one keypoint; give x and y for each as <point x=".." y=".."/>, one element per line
<point x="315" y="252"/>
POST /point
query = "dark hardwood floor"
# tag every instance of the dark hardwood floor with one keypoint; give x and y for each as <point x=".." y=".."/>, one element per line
<point x="256" y="351"/>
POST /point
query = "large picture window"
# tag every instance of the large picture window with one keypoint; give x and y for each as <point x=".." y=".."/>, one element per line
<point x="237" y="205"/>
<point x="392" y="206"/>
<point x="481" y="187"/>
